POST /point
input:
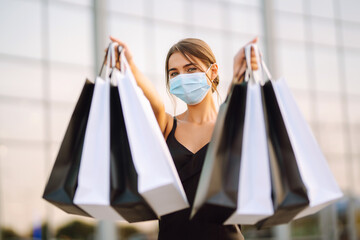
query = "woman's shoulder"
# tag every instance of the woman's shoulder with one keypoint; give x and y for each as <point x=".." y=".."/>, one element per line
<point x="170" y="123"/>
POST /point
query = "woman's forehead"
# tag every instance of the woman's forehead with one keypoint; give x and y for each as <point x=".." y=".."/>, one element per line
<point x="177" y="60"/>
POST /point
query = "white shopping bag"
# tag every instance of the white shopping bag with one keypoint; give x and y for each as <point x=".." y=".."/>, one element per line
<point x="254" y="195"/>
<point x="314" y="170"/>
<point x="93" y="191"/>
<point x="158" y="180"/>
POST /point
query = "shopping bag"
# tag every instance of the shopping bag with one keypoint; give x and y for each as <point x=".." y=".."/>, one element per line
<point x="288" y="190"/>
<point x="254" y="192"/>
<point x="321" y="186"/>
<point x="61" y="186"/>
<point x="158" y="181"/>
<point x="124" y="195"/>
<point x="216" y="194"/>
<point x="93" y="191"/>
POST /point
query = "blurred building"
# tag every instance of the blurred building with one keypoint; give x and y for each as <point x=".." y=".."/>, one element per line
<point x="49" y="47"/>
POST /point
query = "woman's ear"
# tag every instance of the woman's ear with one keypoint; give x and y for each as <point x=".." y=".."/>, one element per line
<point x="214" y="71"/>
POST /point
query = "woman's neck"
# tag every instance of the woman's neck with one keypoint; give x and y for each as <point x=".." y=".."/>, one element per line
<point x="205" y="111"/>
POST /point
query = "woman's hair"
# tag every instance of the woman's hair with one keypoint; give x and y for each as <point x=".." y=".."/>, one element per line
<point x="190" y="48"/>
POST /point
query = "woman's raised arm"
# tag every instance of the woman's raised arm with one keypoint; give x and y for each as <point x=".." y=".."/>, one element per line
<point x="147" y="87"/>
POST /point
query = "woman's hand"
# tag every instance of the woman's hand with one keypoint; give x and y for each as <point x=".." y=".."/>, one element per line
<point x="126" y="50"/>
<point x="240" y="62"/>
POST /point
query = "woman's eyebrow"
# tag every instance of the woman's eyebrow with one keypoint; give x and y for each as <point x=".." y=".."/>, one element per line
<point x="189" y="64"/>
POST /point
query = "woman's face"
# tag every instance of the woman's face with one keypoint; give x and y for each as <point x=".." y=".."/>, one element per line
<point x="178" y="64"/>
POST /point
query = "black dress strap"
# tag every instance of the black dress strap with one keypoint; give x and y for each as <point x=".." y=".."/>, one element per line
<point x="174" y="126"/>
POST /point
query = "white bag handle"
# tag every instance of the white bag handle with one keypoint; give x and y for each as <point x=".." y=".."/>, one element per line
<point x="257" y="75"/>
<point x="122" y="63"/>
<point x="110" y="56"/>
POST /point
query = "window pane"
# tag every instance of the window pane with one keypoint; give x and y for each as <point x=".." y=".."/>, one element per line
<point x="21" y="78"/>
<point x="352" y="71"/>
<point x="329" y="108"/>
<point x="340" y="169"/>
<point x="291" y="64"/>
<point x="170" y="10"/>
<point x="355" y="139"/>
<point x="22" y="176"/>
<point x="207" y="15"/>
<point x="295" y="6"/>
<point x="71" y="34"/>
<point x="322" y="8"/>
<point x="289" y="27"/>
<point x="332" y="140"/>
<point x="20" y="28"/>
<point x="349" y="10"/>
<point x="166" y="35"/>
<point x="305" y="104"/>
<point x="351" y="34"/>
<point x="323" y="31"/>
<point x="21" y="120"/>
<point x="60" y="117"/>
<point x="78" y="2"/>
<point x="326" y="70"/>
<point x="133" y="7"/>
<point x="353" y="109"/>
<point x="133" y="32"/>
<point x="245" y="2"/>
<point x="245" y="20"/>
<point x="66" y="82"/>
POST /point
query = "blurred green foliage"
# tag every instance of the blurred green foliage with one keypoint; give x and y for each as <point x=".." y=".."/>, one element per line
<point x="76" y="230"/>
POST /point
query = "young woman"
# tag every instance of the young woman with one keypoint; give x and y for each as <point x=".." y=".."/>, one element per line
<point x="191" y="75"/>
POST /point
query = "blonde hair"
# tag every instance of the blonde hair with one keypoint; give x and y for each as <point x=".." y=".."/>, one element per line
<point x="190" y="48"/>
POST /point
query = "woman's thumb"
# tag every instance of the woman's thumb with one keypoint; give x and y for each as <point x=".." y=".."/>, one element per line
<point x="255" y="40"/>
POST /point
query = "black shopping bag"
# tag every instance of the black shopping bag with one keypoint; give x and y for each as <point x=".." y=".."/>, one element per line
<point x="125" y="198"/>
<point x="216" y="196"/>
<point x="289" y="193"/>
<point x="61" y="186"/>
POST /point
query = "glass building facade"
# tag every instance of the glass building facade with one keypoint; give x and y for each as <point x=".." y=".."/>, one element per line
<point x="49" y="47"/>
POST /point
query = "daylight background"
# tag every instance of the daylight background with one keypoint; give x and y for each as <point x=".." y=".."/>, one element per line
<point x="49" y="47"/>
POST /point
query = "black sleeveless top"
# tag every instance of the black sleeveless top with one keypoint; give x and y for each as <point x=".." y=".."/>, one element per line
<point x="178" y="225"/>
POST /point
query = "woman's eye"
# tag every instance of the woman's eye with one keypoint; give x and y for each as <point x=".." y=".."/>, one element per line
<point x="173" y="74"/>
<point x="191" y="69"/>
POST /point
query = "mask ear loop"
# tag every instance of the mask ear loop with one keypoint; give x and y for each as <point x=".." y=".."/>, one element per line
<point x="212" y="82"/>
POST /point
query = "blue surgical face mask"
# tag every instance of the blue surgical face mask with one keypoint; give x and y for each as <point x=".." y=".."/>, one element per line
<point x="190" y="87"/>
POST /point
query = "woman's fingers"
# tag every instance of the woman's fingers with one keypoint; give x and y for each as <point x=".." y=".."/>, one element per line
<point x="126" y="50"/>
<point x="116" y="51"/>
<point x="253" y="41"/>
<point x="117" y="41"/>
<point x="240" y="71"/>
<point x="253" y="59"/>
